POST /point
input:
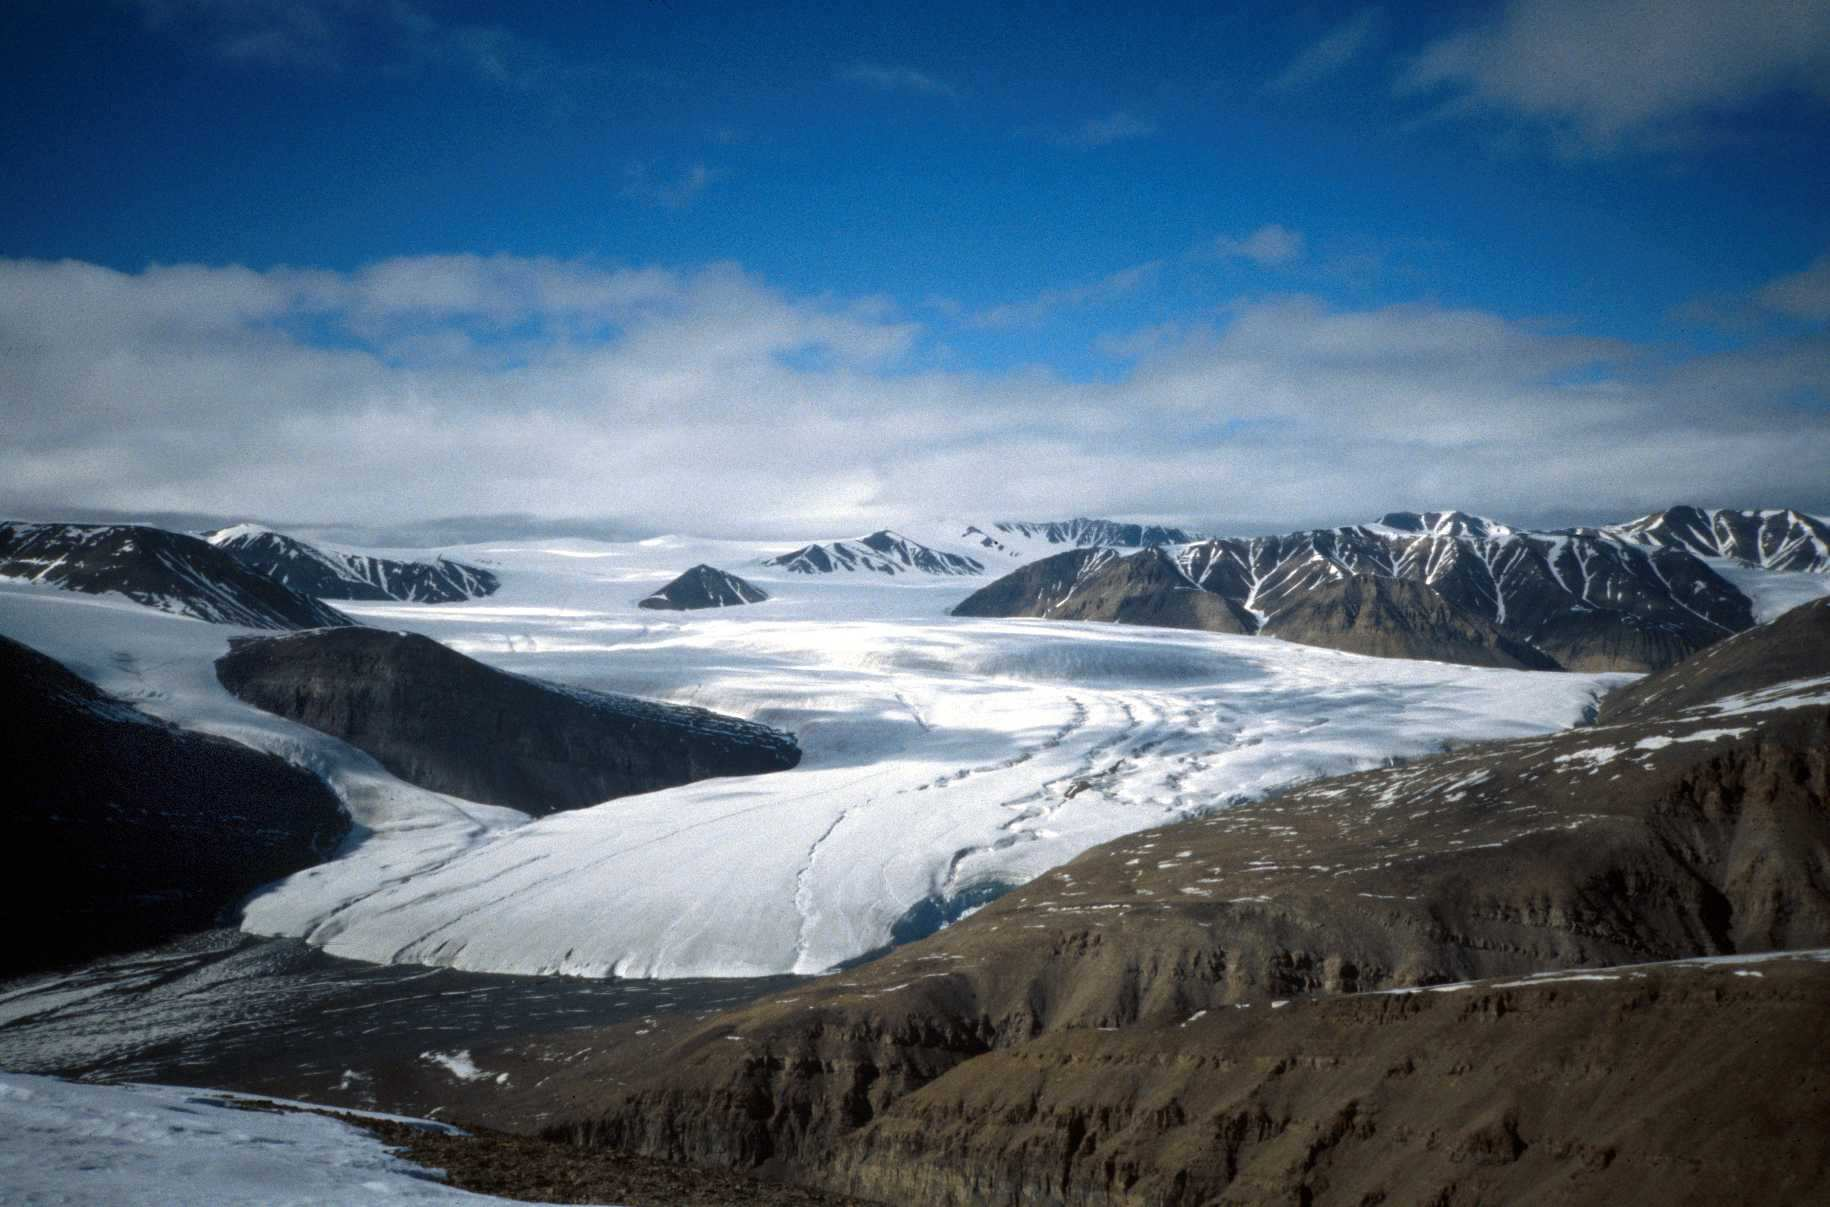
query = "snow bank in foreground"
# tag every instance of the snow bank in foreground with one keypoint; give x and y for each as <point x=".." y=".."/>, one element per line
<point x="64" y="1142"/>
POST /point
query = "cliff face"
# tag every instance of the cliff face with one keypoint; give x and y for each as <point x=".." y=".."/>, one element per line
<point x="449" y="723"/>
<point x="125" y="831"/>
<point x="1037" y="1053"/>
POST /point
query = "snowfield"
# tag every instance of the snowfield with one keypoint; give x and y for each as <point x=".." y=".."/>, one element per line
<point x="942" y="755"/>
<point x="63" y="1142"/>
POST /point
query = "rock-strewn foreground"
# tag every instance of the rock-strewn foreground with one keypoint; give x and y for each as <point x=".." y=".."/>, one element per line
<point x="449" y="723"/>
<point x="1112" y="1032"/>
<point x="124" y="830"/>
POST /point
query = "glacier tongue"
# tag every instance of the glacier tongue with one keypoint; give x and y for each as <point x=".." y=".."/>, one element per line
<point x="941" y="756"/>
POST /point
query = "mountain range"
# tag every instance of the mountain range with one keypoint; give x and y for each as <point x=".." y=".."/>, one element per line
<point x="1771" y="539"/>
<point x="336" y="574"/>
<point x="883" y="552"/>
<point x="1633" y="597"/>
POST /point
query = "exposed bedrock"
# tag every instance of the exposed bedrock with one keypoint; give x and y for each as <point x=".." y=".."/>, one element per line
<point x="447" y="722"/>
<point x="124" y="830"/>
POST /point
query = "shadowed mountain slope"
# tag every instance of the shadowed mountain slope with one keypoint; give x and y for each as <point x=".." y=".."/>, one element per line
<point x="449" y="723"/>
<point x="125" y="831"/>
<point x="1398" y="618"/>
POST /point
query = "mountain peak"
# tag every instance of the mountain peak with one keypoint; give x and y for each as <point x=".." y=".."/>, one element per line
<point x="1444" y="523"/>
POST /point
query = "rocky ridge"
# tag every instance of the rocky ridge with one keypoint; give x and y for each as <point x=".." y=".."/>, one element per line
<point x="439" y="719"/>
<point x="170" y="571"/>
<point x="337" y="574"/>
<point x="1773" y="539"/>
<point x="883" y="552"/>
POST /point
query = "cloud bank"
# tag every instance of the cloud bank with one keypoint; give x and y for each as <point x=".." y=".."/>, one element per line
<point x="705" y="399"/>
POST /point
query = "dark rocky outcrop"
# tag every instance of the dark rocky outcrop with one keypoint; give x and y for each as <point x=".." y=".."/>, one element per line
<point x="1584" y="599"/>
<point x="171" y="571"/>
<point x="1036" y="1052"/>
<point x="124" y="831"/>
<point x="704" y="587"/>
<point x="1398" y="618"/>
<point x="883" y="552"/>
<point x="336" y="574"/>
<point x="449" y="723"/>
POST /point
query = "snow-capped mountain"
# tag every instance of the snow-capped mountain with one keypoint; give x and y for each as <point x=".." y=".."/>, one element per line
<point x="883" y="551"/>
<point x="1585" y="598"/>
<point x="171" y="571"/>
<point x="704" y="587"/>
<point x="336" y="574"/>
<point x="1012" y="536"/>
<point x="1772" y="539"/>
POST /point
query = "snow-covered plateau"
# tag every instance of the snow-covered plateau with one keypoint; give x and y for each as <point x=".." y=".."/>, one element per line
<point x="941" y="755"/>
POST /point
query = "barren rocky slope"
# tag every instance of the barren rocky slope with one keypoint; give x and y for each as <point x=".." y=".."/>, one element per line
<point x="124" y="830"/>
<point x="447" y="722"/>
<point x="1037" y="1053"/>
<point x="1398" y="618"/>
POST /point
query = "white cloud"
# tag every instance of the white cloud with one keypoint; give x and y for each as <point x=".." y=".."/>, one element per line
<point x="1801" y="295"/>
<point x="707" y="400"/>
<point x="1604" y="75"/>
<point x="898" y="79"/>
<point x="1108" y="288"/>
<point x="1267" y="246"/>
<point x="1335" y="49"/>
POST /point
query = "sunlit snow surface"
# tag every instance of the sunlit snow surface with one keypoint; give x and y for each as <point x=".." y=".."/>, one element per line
<point x="940" y="754"/>
<point x="62" y="1142"/>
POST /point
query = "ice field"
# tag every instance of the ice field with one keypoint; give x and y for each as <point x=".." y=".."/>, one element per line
<point x="941" y="756"/>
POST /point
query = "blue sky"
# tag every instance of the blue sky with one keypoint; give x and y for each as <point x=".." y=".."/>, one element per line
<point x="1003" y="230"/>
